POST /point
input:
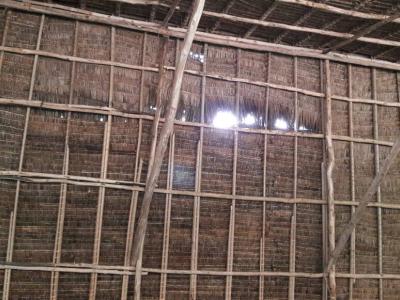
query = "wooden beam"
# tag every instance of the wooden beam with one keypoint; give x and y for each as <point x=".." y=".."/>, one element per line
<point x="324" y="208"/>
<point x="196" y="205"/>
<point x="359" y="35"/>
<point x="166" y="131"/>
<point x="231" y="232"/>
<point x="132" y="186"/>
<point x="119" y="270"/>
<point x="135" y="194"/>
<point x="74" y="13"/>
<point x="352" y="180"/>
<point x="167" y="219"/>
<point x="263" y="18"/>
<point x="107" y="112"/>
<point x="362" y="207"/>
<point x="170" y="13"/>
<point x="63" y="191"/>
<point x="158" y="105"/>
<point x="329" y="178"/>
<point x="339" y="11"/>
<point x="378" y="192"/>
<point x="293" y="221"/>
<point x="103" y="174"/>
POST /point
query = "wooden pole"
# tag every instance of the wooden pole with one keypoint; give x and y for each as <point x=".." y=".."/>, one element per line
<point x="378" y="192"/>
<point x="104" y="168"/>
<point x="262" y="240"/>
<point x="138" y="272"/>
<point x="329" y="177"/>
<point x="166" y="131"/>
<point x="196" y="206"/>
<point x="167" y="220"/>
<point x="352" y="183"/>
<point x="158" y="106"/>
<point x="292" y="251"/>
<point x="132" y="186"/>
<point x="63" y="192"/>
<point x="121" y="270"/>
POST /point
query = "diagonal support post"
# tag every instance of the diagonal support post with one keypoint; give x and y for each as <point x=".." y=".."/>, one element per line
<point x="166" y="131"/>
<point x="362" y="207"/>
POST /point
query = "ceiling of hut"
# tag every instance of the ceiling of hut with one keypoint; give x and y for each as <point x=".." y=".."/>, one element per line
<point x="364" y="27"/>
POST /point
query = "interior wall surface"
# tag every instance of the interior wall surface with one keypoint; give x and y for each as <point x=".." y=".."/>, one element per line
<point x="239" y="211"/>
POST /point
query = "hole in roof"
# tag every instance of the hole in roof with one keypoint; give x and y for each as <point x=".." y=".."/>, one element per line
<point x="225" y="120"/>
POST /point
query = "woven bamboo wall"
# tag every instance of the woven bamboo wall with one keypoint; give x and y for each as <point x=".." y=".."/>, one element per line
<point x="273" y="224"/>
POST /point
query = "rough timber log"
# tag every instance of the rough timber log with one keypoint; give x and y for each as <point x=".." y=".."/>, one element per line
<point x="166" y="131"/>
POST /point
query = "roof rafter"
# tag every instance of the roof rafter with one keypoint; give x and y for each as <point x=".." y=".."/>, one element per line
<point x="384" y="52"/>
<point x="361" y="33"/>
<point x="170" y="13"/>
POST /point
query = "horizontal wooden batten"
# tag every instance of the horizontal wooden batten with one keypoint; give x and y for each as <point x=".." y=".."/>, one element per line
<point x="155" y="70"/>
<point x="34" y="177"/>
<point x="196" y="73"/>
<point x="114" y="112"/>
<point x="120" y="270"/>
<point x="84" y="15"/>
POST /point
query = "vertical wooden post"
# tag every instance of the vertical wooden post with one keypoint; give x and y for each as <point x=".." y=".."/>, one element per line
<point x="10" y="247"/>
<point x="329" y="176"/>
<point x="325" y="231"/>
<point x="166" y="131"/>
<point x="353" y="187"/>
<point x="231" y="236"/>
<point x="104" y="166"/>
<point x="4" y="37"/>
<point x="378" y="192"/>
<point x="167" y="219"/>
<point x="324" y="211"/>
<point x="196" y="206"/>
<point x="135" y="194"/>
<point x="63" y="191"/>
<point x="292" y="258"/>
<point x="262" y="241"/>
<point x="138" y="271"/>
